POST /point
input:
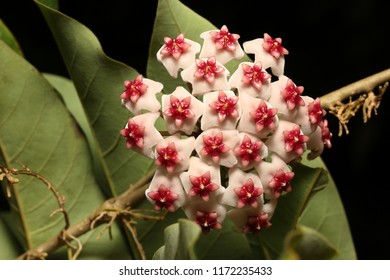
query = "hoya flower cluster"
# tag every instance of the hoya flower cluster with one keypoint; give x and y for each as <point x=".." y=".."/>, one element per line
<point x="230" y="137"/>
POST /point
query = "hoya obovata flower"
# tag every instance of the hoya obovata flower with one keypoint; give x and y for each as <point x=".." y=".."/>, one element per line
<point x="230" y="138"/>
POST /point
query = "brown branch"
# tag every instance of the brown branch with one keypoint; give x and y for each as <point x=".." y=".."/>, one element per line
<point x="104" y="214"/>
<point x="9" y="174"/>
<point x="360" y="93"/>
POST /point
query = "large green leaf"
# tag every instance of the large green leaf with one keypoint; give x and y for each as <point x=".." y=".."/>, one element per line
<point x="99" y="83"/>
<point x="173" y="18"/>
<point x="180" y="239"/>
<point x="7" y="36"/>
<point x="10" y="249"/>
<point x="37" y="130"/>
<point x="325" y="213"/>
<point x="313" y="202"/>
<point x="305" y="243"/>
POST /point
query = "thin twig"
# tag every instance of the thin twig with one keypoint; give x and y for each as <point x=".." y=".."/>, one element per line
<point x="102" y="215"/>
<point x="366" y="98"/>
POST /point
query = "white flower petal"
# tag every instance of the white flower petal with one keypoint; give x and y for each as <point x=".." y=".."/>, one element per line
<point x="187" y="58"/>
<point x="235" y="81"/>
<point x="184" y="148"/>
<point x="198" y="168"/>
<point x="237" y="179"/>
<point x="200" y="85"/>
<point x="247" y="123"/>
<point x="172" y="182"/>
<point x="277" y="144"/>
<point x="267" y="170"/>
<point x="267" y="60"/>
<point x="315" y="144"/>
<point x="148" y="100"/>
<point x="302" y="117"/>
<point x="230" y="139"/>
<point x="277" y="100"/>
<point x="151" y="135"/>
<point x="222" y="55"/>
<point x="188" y="124"/>
<point x="210" y="116"/>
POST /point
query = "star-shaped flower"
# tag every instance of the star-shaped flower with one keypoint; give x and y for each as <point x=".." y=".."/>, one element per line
<point x="244" y="189"/>
<point x="207" y="214"/>
<point x="201" y="180"/>
<point x="269" y="52"/>
<point x="249" y="151"/>
<point x="173" y="153"/>
<point x="181" y="111"/>
<point x="140" y="94"/>
<point x="177" y="53"/>
<point x="221" y="44"/>
<point x="275" y="176"/>
<point x="258" y="116"/>
<point x="215" y="146"/>
<point x="318" y="140"/>
<point x="206" y="75"/>
<point x="287" y="141"/>
<point x="309" y="116"/>
<point x="165" y="191"/>
<point x="251" y="78"/>
<point x="286" y="97"/>
<point x="252" y="220"/>
<point x="141" y="134"/>
<point x="221" y="109"/>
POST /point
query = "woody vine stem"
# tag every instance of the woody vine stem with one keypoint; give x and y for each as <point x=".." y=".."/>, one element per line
<point x="358" y="94"/>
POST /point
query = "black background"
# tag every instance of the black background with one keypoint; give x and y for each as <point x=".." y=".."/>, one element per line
<point x="331" y="44"/>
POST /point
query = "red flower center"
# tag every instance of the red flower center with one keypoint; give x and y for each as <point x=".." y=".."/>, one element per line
<point x="263" y="116"/>
<point x="316" y="113"/>
<point x="179" y="110"/>
<point x="248" y="151"/>
<point x="254" y="75"/>
<point x="224" y="40"/>
<point x="326" y="135"/>
<point x="175" y="47"/>
<point x="292" y="95"/>
<point x="208" y="69"/>
<point x="247" y="194"/>
<point x="134" y="89"/>
<point x="274" y="46"/>
<point x="225" y="106"/>
<point x="207" y="220"/>
<point x="202" y="186"/>
<point x="294" y="140"/>
<point x="281" y="182"/>
<point x="256" y="223"/>
<point x="163" y="197"/>
<point x="134" y="134"/>
<point x="167" y="157"/>
<point x="214" y="146"/>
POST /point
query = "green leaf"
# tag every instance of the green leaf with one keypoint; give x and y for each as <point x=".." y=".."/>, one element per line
<point x="312" y="202"/>
<point x="173" y="18"/>
<point x="68" y="92"/>
<point x="99" y="83"/>
<point x="7" y="36"/>
<point x="288" y="211"/>
<point x="325" y="213"/>
<point x="180" y="239"/>
<point x="188" y="243"/>
<point x="305" y="243"/>
<point x="37" y="130"/>
<point x="10" y="249"/>
<point x="224" y="244"/>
